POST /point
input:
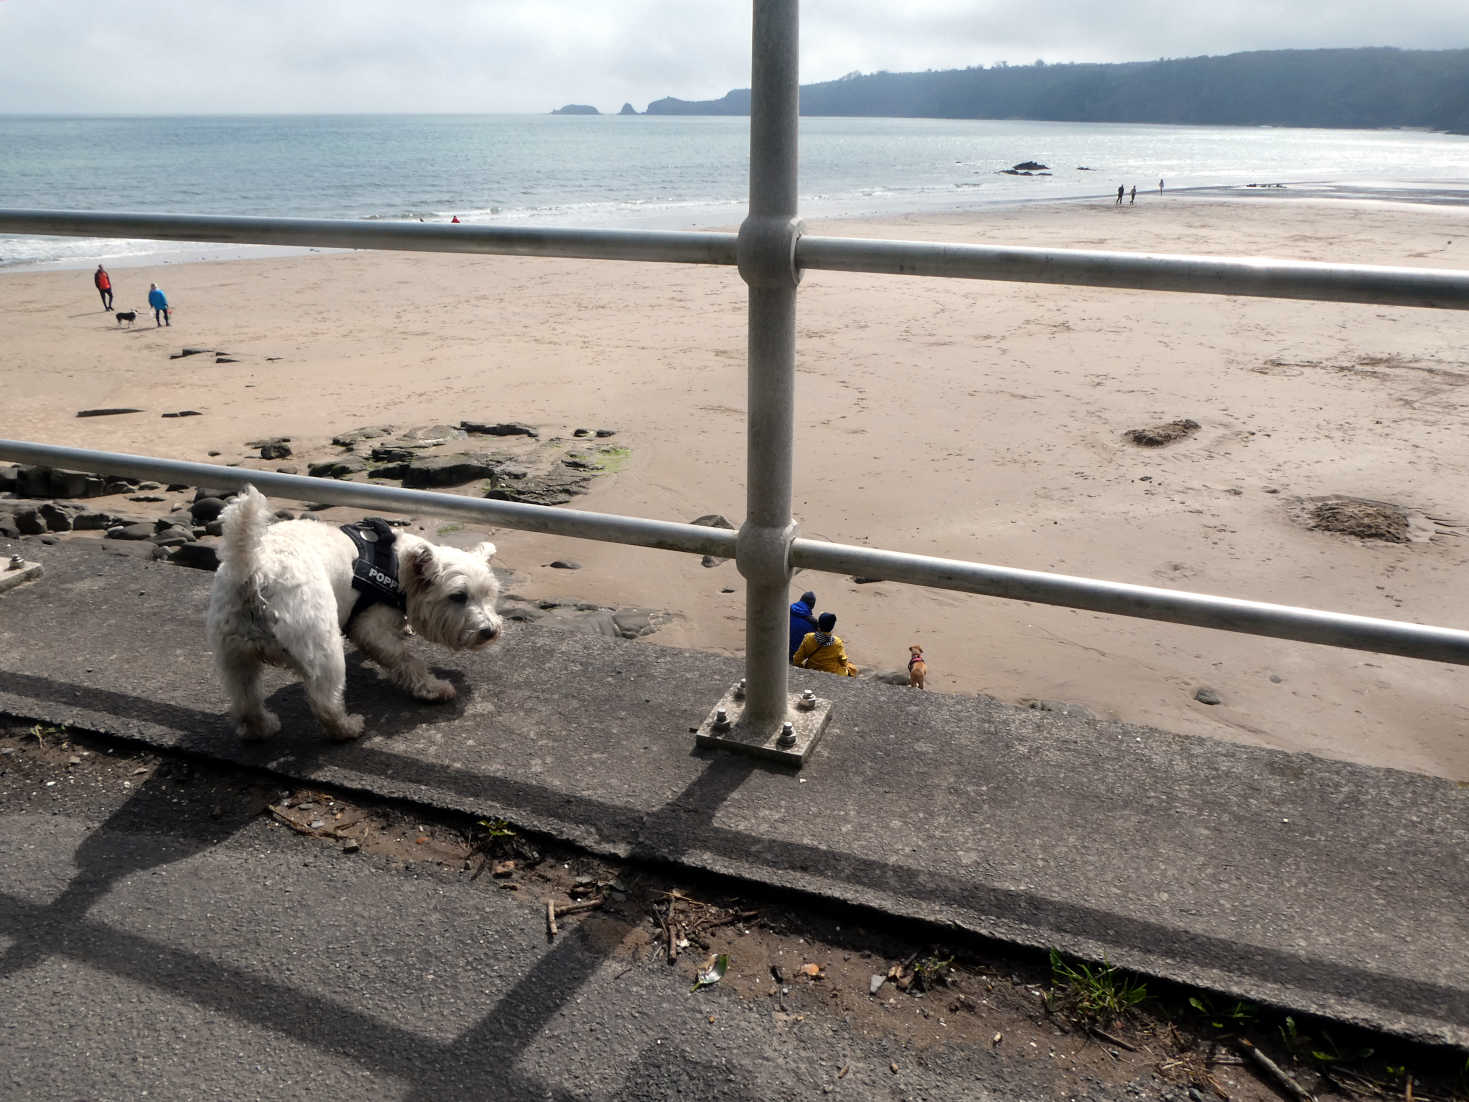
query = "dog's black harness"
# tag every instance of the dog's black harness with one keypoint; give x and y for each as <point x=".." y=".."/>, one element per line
<point x="375" y="570"/>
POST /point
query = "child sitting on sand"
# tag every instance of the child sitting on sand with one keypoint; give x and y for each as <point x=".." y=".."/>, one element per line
<point x="821" y="650"/>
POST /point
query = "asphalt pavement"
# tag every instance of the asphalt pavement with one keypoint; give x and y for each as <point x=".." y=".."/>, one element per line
<point x="149" y="952"/>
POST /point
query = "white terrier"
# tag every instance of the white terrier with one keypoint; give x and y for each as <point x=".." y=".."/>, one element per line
<point x="286" y="593"/>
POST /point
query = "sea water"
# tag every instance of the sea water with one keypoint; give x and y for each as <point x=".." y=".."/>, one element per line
<point x="663" y="172"/>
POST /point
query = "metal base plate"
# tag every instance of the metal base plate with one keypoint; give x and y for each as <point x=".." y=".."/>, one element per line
<point x="12" y="576"/>
<point x="807" y="723"/>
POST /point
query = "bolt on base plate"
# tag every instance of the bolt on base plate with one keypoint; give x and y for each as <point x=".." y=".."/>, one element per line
<point x="807" y="716"/>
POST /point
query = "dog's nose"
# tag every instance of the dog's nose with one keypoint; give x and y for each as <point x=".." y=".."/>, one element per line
<point x="486" y="634"/>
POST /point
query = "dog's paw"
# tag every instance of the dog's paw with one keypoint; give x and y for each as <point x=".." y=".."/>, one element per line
<point x="346" y="729"/>
<point x="435" y="691"/>
<point x="258" y="728"/>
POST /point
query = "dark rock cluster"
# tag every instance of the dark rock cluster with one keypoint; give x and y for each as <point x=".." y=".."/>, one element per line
<point x="21" y="514"/>
<point x="42" y="501"/>
<point x="1157" y="436"/>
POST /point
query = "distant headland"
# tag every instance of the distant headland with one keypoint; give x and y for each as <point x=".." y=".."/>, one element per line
<point x="1368" y="88"/>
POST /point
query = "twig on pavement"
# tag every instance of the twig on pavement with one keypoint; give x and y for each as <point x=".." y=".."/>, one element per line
<point x="1273" y="1070"/>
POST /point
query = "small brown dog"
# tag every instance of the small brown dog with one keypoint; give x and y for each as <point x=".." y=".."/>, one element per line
<point x="917" y="667"/>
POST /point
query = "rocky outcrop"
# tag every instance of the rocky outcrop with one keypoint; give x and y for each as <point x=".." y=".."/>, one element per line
<point x="1359" y="517"/>
<point x="1157" y="436"/>
<point x="1027" y="168"/>
<point x="627" y="109"/>
<point x="408" y="456"/>
<point x="25" y="521"/>
<point x="713" y="520"/>
<point x="205" y="509"/>
<point x="274" y="447"/>
<point x="200" y="555"/>
<point x="29" y="481"/>
<point x="139" y="530"/>
<point x="501" y="428"/>
<point x="557" y="486"/>
<point x="576" y="109"/>
<point x="357" y="436"/>
<point x="431" y="436"/>
<point x="59" y="516"/>
<point x="425" y="472"/>
<point x="338" y="468"/>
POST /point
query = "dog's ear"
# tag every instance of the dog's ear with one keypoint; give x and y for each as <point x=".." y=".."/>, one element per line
<point x="421" y="563"/>
<point x="484" y="551"/>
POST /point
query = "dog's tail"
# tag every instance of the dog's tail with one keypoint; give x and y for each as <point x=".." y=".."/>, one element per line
<point x="243" y="523"/>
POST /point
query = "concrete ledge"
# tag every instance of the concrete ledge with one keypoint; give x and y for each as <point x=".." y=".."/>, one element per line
<point x="1288" y="879"/>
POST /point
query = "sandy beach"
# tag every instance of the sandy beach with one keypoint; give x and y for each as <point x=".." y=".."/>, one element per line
<point x="974" y="420"/>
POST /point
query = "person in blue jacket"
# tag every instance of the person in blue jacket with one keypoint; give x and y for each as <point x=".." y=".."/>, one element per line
<point x="159" y="305"/>
<point x="803" y="619"/>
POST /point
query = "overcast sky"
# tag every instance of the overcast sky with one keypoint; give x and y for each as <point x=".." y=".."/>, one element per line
<point x="207" y="56"/>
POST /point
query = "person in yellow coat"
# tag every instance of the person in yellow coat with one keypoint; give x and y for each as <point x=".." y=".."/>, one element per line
<point x="821" y="650"/>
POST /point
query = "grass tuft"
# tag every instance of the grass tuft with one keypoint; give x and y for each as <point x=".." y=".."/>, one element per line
<point x="1095" y="994"/>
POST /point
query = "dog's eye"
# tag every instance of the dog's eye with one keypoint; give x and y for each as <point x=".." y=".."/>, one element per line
<point x="459" y="598"/>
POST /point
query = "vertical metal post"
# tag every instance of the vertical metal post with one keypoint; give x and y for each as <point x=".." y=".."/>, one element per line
<point x="757" y="716"/>
<point x="766" y="253"/>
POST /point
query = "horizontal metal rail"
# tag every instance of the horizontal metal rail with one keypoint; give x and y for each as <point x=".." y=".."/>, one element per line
<point x="1256" y="277"/>
<point x="1147" y="602"/>
<point x="696" y="539"/>
<point x="670" y="246"/>
<point x="1334" y="629"/>
<point x="1259" y="278"/>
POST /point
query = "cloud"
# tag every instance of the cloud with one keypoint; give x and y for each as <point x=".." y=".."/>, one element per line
<point x="532" y="55"/>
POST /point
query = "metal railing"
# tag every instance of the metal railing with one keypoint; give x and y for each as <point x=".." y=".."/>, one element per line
<point x="771" y="251"/>
<point x="1118" y="598"/>
<point x="1259" y="278"/>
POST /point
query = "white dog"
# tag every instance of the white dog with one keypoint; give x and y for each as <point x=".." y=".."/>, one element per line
<point x="286" y="593"/>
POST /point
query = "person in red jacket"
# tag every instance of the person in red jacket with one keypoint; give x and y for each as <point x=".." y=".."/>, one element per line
<point x="104" y="286"/>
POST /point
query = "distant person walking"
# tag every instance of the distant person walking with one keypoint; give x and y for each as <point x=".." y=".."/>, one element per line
<point x="103" y="283"/>
<point x="1132" y="196"/>
<point x="159" y="305"/>
<point x="1120" y="190"/>
<point x="1160" y="187"/>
